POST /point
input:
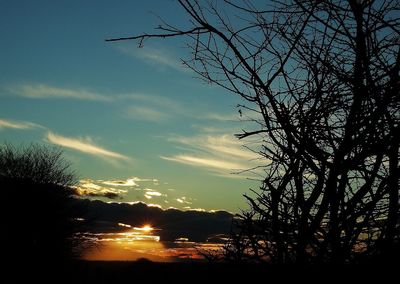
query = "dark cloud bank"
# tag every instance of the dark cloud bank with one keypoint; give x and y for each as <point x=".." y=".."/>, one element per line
<point x="172" y="223"/>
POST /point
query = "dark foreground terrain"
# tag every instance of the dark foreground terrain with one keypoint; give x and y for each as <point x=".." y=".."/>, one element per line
<point x="151" y="272"/>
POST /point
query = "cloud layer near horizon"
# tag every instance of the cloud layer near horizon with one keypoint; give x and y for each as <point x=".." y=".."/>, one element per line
<point x="171" y="223"/>
<point x="136" y="189"/>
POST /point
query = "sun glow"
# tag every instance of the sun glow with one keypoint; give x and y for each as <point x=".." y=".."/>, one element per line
<point x="142" y="242"/>
<point x="135" y="243"/>
<point x="145" y="228"/>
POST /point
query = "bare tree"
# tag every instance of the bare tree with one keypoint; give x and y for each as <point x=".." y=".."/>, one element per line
<point x="322" y="78"/>
<point x="37" y="164"/>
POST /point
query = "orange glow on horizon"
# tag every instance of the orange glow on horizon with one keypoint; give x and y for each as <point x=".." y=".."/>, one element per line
<point x="125" y="251"/>
<point x="142" y="242"/>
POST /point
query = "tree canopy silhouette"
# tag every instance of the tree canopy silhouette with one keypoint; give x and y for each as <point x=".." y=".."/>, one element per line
<point x="320" y="80"/>
<point x="37" y="215"/>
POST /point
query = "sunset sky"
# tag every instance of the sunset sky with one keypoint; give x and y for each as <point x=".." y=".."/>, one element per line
<point x="133" y="121"/>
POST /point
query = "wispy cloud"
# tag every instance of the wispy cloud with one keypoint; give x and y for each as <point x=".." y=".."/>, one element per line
<point x="152" y="100"/>
<point x="42" y="91"/>
<point x="147" y="107"/>
<point x="220" y="117"/>
<point x="221" y="154"/>
<point x="5" y="123"/>
<point x="147" y="113"/>
<point x="85" y="146"/>
<point x="221" y="144"/>
<point x="158" y="56"/>
<point x="205" y="162"/>
<point x="153" y="107"/>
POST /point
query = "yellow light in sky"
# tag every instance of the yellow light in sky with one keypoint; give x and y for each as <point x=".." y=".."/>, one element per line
<point x="124" y="225"/>
<point x="145" y="228"/>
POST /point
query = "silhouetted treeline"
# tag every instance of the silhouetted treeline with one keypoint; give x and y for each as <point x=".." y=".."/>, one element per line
<point x="36" y="209"/>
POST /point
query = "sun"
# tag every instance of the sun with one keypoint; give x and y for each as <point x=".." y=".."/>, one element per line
<point x="145" y="228"/>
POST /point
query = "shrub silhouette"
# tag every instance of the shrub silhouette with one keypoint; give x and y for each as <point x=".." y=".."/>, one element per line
<point x="36" y="209"/>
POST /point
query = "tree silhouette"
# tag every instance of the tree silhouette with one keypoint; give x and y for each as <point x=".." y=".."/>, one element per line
<point x="320" y="80"/>
<point x="36" y="209"/>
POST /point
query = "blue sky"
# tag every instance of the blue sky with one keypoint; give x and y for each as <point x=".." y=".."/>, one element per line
<point x="132" y="121"/>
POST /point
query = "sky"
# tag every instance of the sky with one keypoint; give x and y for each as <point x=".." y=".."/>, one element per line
<point x="134" y="122"/>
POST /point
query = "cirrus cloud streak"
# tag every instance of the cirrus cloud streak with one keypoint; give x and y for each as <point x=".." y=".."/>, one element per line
<point x="42" y="91"/>
<point x="205" y="162"/>
<point x="84" y="146"/>
<point x="221" y="154"/>
<point x="5" y="123"/>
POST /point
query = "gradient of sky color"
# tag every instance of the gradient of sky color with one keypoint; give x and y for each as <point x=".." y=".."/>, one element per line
<point x="133" y="121"/>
